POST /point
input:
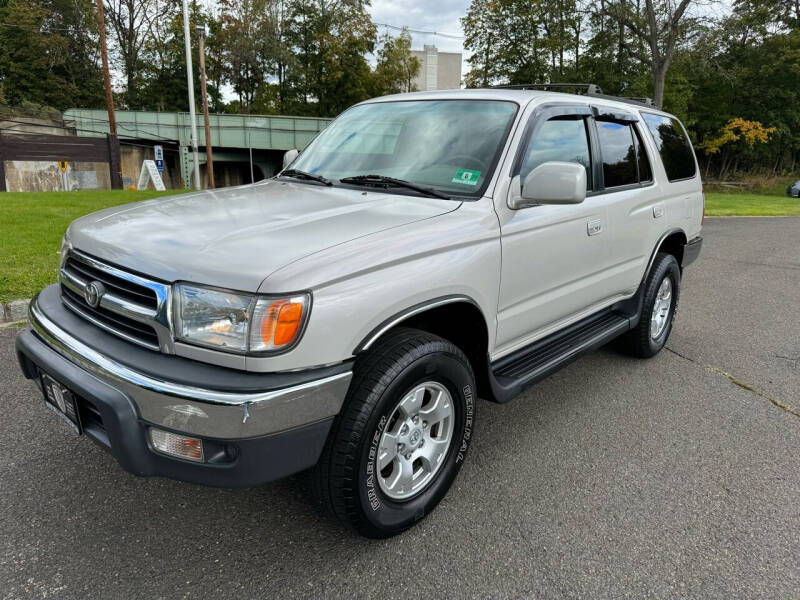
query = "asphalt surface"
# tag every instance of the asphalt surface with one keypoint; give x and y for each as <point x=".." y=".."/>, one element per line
<point x="672" y="477"/>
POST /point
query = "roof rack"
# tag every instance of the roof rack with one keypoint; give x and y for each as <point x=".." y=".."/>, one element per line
<point x="590" y="89"/>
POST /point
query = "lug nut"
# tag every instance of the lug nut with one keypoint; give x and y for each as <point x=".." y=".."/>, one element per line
<point x="408" y="456"/>
<point x="421" y="443"/>
<point x="400" y="447"/>
<point x="404" y="430"/>
<point x="415" y="418"/>
<point x="424" y="424"/>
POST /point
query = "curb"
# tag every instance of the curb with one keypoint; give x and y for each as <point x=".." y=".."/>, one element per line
<point x="14" y="311"/>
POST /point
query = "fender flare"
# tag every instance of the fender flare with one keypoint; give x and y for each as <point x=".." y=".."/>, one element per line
<point x="407" y="313"/>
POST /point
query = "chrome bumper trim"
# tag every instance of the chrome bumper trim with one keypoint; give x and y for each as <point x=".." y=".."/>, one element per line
<point x="211" y="413"/>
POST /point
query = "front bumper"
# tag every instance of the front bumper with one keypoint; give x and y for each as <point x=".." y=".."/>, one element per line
<point x="256" y="427"/>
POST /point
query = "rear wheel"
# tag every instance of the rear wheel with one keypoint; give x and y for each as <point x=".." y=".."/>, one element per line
<point x="401" y="437"/>
<point x="659" y="305"/>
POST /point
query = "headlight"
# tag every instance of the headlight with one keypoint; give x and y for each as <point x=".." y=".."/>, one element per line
<point x="238" y="322"/>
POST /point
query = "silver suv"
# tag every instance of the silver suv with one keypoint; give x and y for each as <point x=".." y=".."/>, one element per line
<point x="424" y="250"/>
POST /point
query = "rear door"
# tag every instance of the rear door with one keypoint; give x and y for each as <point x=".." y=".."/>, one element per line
<point x="636" y="212"/>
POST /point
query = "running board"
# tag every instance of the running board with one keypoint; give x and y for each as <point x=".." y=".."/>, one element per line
<point x="510" y="375"/>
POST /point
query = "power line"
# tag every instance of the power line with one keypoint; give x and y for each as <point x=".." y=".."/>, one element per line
<point x="451" y="36"/>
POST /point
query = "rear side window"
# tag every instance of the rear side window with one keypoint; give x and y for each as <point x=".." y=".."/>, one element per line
<point x="673" y="146"/>
<point x="619" y="154"/>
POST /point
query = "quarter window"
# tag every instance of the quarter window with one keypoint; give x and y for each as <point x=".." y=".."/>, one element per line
<point x="559" y="139"/>
<point x="673" y="146"/>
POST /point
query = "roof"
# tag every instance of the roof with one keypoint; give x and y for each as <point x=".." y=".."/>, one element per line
<point x="521" y="97"/>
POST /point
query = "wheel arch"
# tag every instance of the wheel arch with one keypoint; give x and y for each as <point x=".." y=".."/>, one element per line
<point x="456" y="318"/>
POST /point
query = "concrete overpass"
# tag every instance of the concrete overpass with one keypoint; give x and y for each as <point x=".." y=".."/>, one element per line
<point x="255" y="140"/>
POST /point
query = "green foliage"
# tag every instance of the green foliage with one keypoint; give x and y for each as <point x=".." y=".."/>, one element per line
<point x="48" y="53"/>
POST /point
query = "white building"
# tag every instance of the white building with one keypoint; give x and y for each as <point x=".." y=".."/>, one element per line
<point x="437" y="70"/>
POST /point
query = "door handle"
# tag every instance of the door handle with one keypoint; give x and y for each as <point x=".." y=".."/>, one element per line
<point x="594" y="227"/>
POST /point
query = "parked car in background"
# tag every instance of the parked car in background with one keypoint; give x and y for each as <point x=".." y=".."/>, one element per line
<point x="794" y="190"/>
<point x="425" y="249"/>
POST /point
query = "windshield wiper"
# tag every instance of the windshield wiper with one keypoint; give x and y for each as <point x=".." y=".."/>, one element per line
<point x="384" y="181"/>
<point x="297" y="174"/>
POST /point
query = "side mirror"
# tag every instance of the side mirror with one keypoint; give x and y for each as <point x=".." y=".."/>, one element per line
<point x="553" y="183"/>
<point x="289" y="156"/>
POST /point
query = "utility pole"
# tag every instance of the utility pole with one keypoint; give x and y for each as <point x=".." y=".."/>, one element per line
<point x="201" y="32"/>
<point x="101" y="27"/>
<point x="190" y="84"/>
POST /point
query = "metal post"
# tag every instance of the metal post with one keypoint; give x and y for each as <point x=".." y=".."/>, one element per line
<point x="190" y="85"/>
<point x="101" y="25"/>
<point x="201" y="32"/>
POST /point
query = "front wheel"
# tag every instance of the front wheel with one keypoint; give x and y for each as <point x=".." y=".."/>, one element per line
<point x="659" y="305"/>
<point x="401" y="437"/>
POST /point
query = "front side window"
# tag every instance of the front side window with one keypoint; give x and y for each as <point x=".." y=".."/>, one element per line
<point x="673" y="146"/>
<point x="559" y="139"/>
<point x="447" y="145"/>
<point x="618" y="152"/>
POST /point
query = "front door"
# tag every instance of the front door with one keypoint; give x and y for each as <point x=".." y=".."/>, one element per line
<point x="554" y="258"/>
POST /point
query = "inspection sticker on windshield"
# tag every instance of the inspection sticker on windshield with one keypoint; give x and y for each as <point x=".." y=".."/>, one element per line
<point x="467" y="177"/>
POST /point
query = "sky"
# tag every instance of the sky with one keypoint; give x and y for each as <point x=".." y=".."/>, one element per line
<point x="440" y="16"/>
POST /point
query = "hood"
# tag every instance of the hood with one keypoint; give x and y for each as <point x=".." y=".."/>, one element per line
<point x="234" y="238"/>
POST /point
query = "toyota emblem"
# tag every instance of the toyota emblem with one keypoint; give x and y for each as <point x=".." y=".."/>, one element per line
<point x="93" y="293"/>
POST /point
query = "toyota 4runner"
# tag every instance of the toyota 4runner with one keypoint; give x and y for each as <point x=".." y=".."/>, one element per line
<point x="424" y="250"/>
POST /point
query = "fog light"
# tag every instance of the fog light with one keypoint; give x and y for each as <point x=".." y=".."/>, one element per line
<point x="177" y="445"/>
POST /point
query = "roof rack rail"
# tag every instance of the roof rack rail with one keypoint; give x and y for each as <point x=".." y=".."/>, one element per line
<point x="590" y="89"/>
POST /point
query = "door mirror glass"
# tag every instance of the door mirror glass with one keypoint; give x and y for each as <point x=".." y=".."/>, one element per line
<point x="554" y="183"/>
<point x="289" y="156"/>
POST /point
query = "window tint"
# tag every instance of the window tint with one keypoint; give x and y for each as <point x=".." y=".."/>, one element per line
<point x="618" y="152"/>
<point x="645" y="172"/>
<point x="676" y="151"/>
<point x="562" y="140"/>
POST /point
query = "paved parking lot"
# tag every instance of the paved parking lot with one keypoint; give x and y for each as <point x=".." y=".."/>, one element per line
<point x="673" y="477"/>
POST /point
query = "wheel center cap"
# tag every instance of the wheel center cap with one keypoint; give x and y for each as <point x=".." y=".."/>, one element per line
<point x="414" y="437"/>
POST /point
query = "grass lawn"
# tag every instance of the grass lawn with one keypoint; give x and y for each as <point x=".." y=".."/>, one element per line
<point x="31" y="227"/>
<point x="748" y="204"/>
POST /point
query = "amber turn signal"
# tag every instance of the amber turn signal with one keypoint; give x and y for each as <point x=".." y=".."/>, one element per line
<point x="277" y="323"/>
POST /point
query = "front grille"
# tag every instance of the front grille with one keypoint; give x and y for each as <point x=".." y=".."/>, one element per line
<point x="130" y="291"/>
<point x="130" y="307"/>
<point x="111" y="320"/>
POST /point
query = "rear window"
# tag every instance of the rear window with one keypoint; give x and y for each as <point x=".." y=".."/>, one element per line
<point x="673" y="145"/>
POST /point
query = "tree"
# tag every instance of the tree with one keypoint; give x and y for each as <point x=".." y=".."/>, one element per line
<point x="736" y="137"/>
<point x="48" y="53"/>
<point x="132" y="24"/>
<point x="246" y="36"/>
<point x="331" y="39"/>
<point x="662" y="26"/>
<point x="397" y="66"/>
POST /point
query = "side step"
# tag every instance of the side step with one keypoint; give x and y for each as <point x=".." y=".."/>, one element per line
<point x="510" y="375"/>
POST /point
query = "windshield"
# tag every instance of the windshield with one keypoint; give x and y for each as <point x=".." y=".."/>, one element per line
<point x="448" y="145"/>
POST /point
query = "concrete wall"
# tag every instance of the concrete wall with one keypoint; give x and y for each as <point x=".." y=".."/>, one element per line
<point x="45" y="176"/>
<point x="437" y="70"/>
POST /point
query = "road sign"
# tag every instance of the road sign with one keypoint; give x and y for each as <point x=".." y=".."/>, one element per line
<point x="150" y="173"/>
<point x="159" y="156"/>
<point x="63" y="164"/>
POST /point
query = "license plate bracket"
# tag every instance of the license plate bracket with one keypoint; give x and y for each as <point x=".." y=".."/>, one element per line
<point x="61" y="401"/>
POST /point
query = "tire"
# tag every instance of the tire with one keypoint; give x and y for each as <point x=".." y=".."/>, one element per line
<point x="348" y="481"/>
<point x="642" y="341"/>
